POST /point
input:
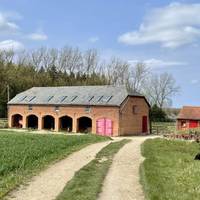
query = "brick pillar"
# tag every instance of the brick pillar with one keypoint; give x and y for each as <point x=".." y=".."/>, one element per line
<point x="9" y="121"/>
<point x="39" y="123"/>
<point x="56" y="124"/>
<point x="24" y="122"/>
<point x="94" y="125"/>
<point x="74" y="125"/>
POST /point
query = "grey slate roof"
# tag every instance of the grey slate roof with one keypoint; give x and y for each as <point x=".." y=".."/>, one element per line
<point x="73" y="95"/>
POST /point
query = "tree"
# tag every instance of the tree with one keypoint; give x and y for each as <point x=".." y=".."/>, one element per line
<point x="117" y="72"/>
<point x="90" y="61"/>
<point x="160" y="88"/>
<point x="71" y="66"/>
<point x="137" y="76"/>
<point x="70" y="60"/>
<point x="157" y="114"/>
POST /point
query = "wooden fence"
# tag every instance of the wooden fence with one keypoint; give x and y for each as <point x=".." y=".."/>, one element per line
<point x="3" y="123"/>
<point x="160" y="128"/>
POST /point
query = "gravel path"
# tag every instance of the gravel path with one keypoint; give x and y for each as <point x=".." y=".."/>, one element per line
<point x="122" y="181"/>
<point x="49" y="183"/>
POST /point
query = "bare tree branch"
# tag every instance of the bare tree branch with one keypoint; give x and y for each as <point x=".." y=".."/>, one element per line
<point x="159" y="89"/>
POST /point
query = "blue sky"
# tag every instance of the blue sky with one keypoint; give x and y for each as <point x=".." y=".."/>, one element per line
<point x="163" y="34"/>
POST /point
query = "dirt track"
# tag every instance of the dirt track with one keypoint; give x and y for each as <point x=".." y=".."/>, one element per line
<point x="122" y="180"/>
<point x="49" y="183"/>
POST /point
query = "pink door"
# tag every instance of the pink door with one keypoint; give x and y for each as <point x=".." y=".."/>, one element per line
<point x="104" y="127"/>
<point x="100" y="127"/>
<point x="108" y="127"/>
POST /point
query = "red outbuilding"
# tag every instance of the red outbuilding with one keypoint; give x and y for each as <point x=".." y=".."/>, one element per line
<point x="188" y="118"/>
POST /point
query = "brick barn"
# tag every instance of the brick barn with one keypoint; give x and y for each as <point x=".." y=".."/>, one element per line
<point x="189" y="117"/>
<point x="104" y="110"/>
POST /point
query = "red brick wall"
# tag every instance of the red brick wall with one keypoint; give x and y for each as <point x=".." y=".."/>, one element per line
<point x="73" y="111"/>
<point x="131" y="123"/>
<point x="125" y="122"/>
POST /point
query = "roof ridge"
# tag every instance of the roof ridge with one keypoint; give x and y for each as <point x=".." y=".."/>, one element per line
<point x="191" y="107"/>
<point x="79" y="86"/>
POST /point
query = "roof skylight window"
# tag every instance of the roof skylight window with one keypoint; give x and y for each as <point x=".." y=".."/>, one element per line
<point x="63" y="98"/>
<point x="90" y="98"/>
<point x="100" y="98"/>
<point x="22" y="98"/>
<point x="49" y="98"/>
<point x="73" y="98"/>
<point x="105" y="99"/>
<point x="31" y="98"/>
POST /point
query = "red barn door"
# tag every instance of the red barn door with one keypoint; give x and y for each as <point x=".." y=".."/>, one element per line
<point x="144" y="124"/>
<point x="193" y="124"/>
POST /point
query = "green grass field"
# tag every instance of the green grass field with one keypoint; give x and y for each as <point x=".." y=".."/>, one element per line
<point x="169" y="171"/>
<point x="87" y="182"/>
<point x="23" y="155"/>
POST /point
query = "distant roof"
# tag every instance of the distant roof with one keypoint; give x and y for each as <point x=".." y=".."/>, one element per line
<point x="73" y="95"/>
<point x="189" y="112"/>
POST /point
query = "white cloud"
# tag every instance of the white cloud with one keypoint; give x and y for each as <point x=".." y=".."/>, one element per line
<point x="6" y="25"/>
<point x="11" y="45"/>
<point x="156" y="63"/>
<point x="93" y="39"/>
<point x="194" y="81"/>
<point x="38" y="36"/>
<point x="172" y="26"/>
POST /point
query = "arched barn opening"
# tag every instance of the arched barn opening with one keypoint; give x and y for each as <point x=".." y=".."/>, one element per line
<point x="32" y="122"/>
<point x="66" y="123"/>
<point x="17" y="121"/>
<point x="48" y="122"/>
<point x="84" y="125"/>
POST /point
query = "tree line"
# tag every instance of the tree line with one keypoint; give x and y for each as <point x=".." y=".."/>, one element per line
<point x="70" y="66"/>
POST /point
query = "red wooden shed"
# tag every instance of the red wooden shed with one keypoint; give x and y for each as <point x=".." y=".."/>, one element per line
<point x="189" y="117"/>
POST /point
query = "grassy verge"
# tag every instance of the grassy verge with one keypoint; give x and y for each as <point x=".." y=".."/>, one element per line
<point x="87" y="183"/>
<point x="23" y="155"/>
<point x="170" y="171"/>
